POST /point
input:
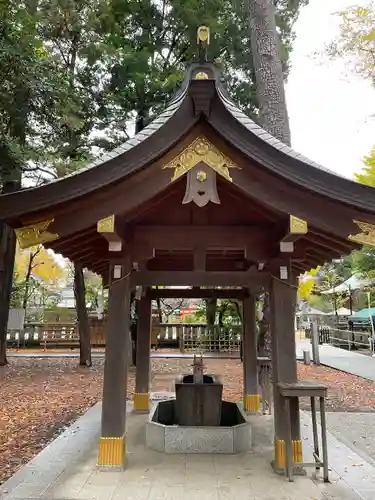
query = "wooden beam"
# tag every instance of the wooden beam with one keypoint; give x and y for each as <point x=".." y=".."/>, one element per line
<point x="312" y="243"/>
<point x="199" y="259"/>
<point x="259" y="242"/>
<point x="74" y="237"/>
<point x="179" y="237"/>
<point x="339" y="244"/>
<point x="198" y="293"/>
<point x="85" y="254"/>
<point x="189" y="278"/>
<point x="68" y="245"/>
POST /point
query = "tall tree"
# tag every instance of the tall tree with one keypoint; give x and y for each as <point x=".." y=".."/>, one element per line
<point x="70" y="31"/>
<point x="82" y="316"/>
<point x="136" y="50"/>
<point x="273" y="114"/>
<point x="26" y="89"/>
<point x="269" y="76"/>
<point x="153" y="41"/>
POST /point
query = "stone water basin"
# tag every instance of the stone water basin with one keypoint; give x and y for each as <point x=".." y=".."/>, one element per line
<point x="232" y="435"/>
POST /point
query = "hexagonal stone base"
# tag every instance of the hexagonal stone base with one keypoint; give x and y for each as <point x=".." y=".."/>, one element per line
<point x="162" y="435"/>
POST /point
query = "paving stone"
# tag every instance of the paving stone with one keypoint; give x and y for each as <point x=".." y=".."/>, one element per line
<point x="167" y="493"/>
<point x="97" y="492"/>
<point x="150" y="475"/>
<point x="28" y="490"/>
<point x="132" y="492"/>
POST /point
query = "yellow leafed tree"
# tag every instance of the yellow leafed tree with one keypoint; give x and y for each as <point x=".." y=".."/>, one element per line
<point x="367" y="175"/>
<point x="36" y="263"/>
<point x="40" y="263"/>
<point x="306" y="285"/>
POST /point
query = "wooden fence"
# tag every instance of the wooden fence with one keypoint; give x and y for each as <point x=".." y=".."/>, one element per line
<point x="55" y="335"/>
<point x="186" y="337"/>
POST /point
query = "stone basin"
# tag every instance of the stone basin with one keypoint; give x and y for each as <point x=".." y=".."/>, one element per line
<point x="233" y="435"/>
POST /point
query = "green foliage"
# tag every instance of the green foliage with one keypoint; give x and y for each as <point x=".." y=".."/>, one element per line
<point x="152" y="42"/>
<point x="364" y="262"/>
<point x="367" y="175"/>
<point x="356" y="40"/>
<point x="28" y="87"/>
<point x="326" y="277"/>
<point x="74" y="71"/>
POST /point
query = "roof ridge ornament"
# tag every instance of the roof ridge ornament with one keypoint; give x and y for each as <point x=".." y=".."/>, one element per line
<point x="201" y="150"/>
<point x="366" y="236"/>
<point x="203" y="41"/>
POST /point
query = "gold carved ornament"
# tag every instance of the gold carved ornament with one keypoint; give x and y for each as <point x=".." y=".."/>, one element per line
<point x="201" y="150"/>
<point x="366" y="236"/>
<point x="35" y="234"/>
<point x="106" y="225"/>
<point x="202" y="75"/>
<point x="203" y="34"/>
<point x="297" y="226"/>
<point x="201" y="176"/>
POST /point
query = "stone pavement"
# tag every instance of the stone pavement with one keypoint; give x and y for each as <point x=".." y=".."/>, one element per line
<point x="355" y="430"/>
<point x="341" y="359"/>
<point x="66" y="469"/>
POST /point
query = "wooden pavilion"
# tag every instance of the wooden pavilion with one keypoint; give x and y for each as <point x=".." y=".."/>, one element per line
<point x="203" y="196"/>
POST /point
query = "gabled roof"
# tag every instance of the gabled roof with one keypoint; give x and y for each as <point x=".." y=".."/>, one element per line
<point x="110" y="167"/>
<point x="271" y="179"/>
<point x="200" y="98"/>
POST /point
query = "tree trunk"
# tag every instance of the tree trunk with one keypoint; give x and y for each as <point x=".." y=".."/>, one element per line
<point x="269" y="77"/>
<point x="8" y="250"/>
<point x="27" y="282"/>
<point x="264" y="340"/>
<point x="11" y="181"/>
<point x="211" y="307"/>
<point x="273" y="113"/>
<point x="83" y="320"/>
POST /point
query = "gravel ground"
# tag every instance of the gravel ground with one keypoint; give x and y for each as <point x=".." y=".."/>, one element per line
<point x="40" y="397"/>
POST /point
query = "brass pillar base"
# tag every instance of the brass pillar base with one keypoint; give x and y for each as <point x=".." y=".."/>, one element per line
<point x="141" y="401"/>
<point x="251" y="403"/>
<point x="279" y="462"/>
<point x="112" y="451"/>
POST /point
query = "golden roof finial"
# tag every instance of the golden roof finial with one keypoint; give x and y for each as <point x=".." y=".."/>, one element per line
<point x="203" y="35"/>
<point x="203" y="41"/>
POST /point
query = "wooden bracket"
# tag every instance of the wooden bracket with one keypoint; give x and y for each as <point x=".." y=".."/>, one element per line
<point x="297" y="228"/>
<point x="107" y="228"/>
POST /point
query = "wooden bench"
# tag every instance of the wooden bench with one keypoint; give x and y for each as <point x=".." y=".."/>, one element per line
<point x="312" y="390"/>
<point x="60" y="335"/>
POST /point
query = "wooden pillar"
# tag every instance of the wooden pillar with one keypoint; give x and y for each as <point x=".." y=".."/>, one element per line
<point x="112" y="443"/>
<point x="142" y="380"/>
<point x="284" y="368"/>
<point x="251" y="397"/>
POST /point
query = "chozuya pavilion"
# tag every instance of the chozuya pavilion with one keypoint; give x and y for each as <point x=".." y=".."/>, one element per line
<point x="204" y="197"/>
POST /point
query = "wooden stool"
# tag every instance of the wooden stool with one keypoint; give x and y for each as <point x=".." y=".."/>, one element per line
<point x="311" y="390"/>
<point x="264" y="378"/>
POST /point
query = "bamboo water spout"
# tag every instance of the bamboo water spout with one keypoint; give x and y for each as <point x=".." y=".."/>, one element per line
<point x="198" y="369"/>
